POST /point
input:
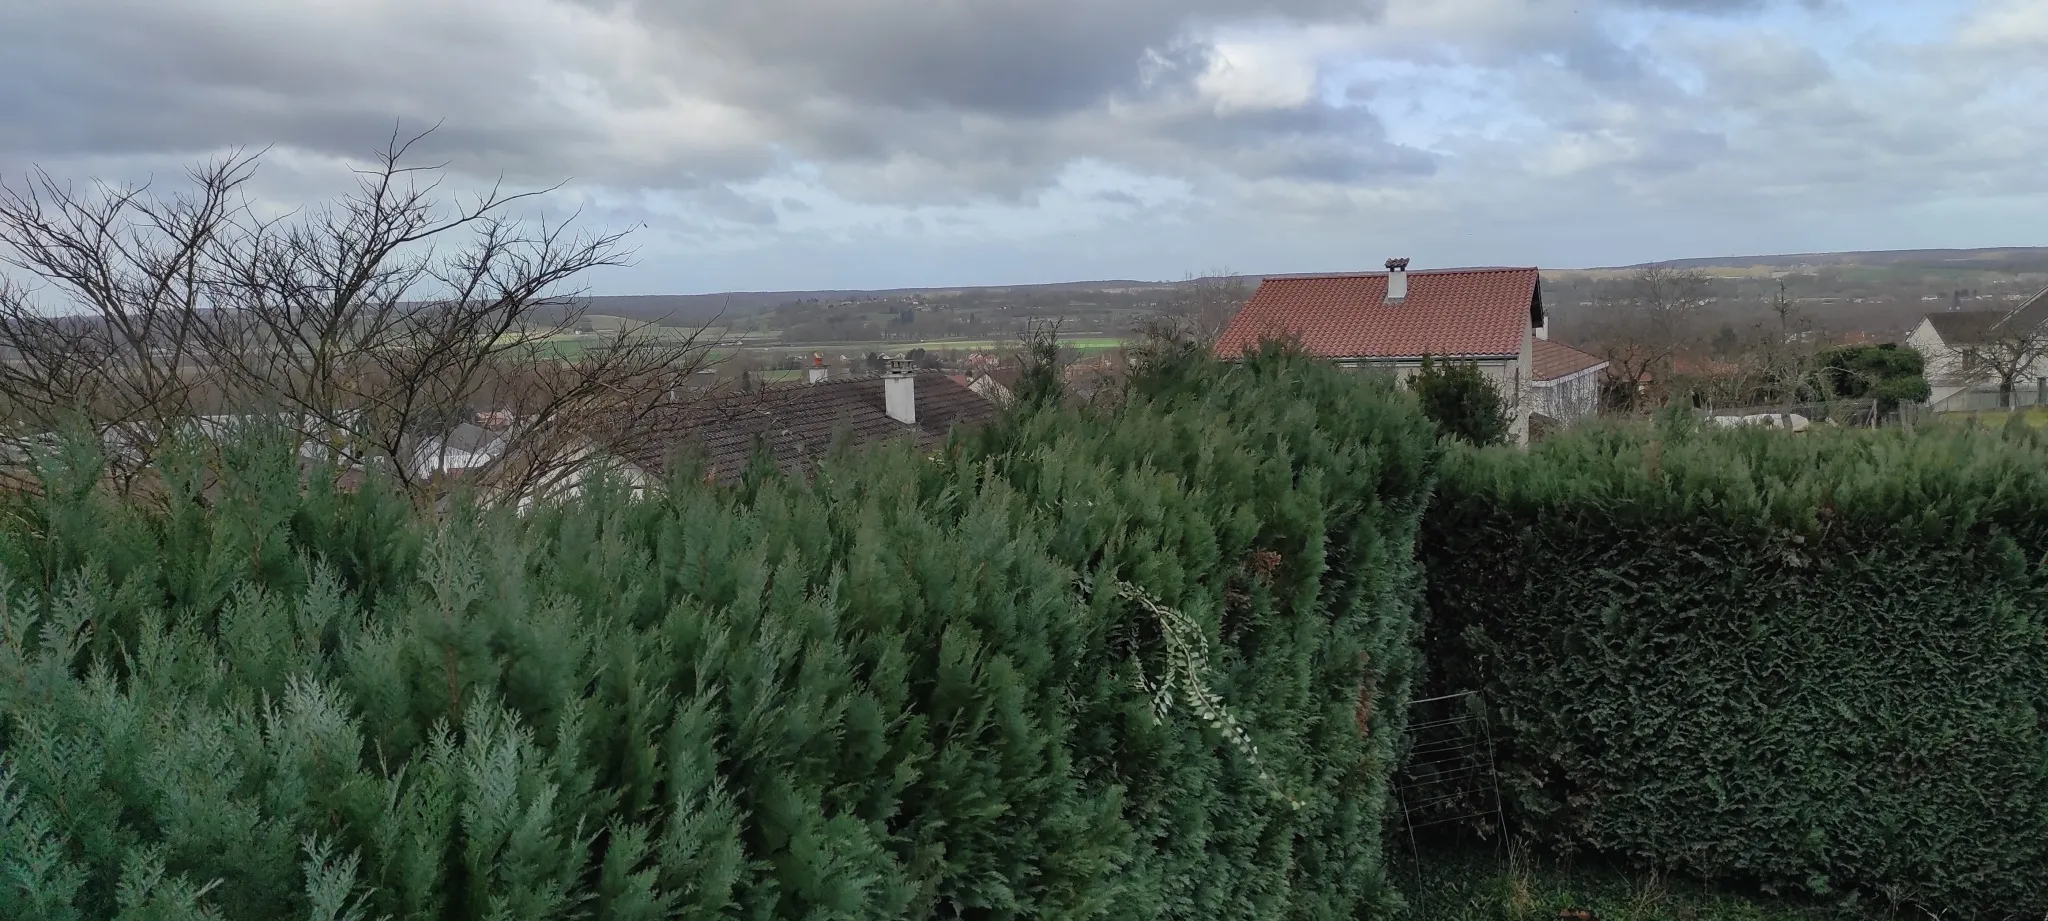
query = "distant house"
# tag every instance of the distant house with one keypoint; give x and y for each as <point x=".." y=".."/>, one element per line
<point x="1950" y="342"/>
<point x="464" y="448"/>
<point x="797" y="424"/>
<point x="997" y="385"/>
<point x="1492" y="317"/>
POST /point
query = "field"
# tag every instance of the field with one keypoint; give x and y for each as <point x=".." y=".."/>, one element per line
<point x="1082" y="344"/>
<point x="770" y="344"/>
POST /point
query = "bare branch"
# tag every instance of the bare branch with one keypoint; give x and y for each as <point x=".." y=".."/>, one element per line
<point x="384" y="329"/>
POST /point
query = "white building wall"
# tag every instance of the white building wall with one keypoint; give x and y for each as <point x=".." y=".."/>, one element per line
<point x="1510" y="375"/>
<point x="1944" y="371"/>
<point x="1569" y="399"/>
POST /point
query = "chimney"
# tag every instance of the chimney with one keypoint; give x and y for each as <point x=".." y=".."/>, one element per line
<point x="1543" y="329"/>
<point x="1397" y="281"/>
<point x="899" y="392"/>
<point x="816" y="374"/>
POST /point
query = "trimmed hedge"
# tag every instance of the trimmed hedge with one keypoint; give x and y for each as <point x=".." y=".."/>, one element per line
<point x="1288" y="535"/>
<point x="1816" y="662"/>
<point x="903" y="689"/>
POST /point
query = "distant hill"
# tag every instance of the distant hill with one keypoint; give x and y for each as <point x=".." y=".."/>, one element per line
<point x="2003" y="259"/>
<point x="694" y="309"/>
<point x="697" y="309"/>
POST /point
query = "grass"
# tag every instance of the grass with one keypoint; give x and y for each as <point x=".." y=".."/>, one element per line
<point x="1482" y="886"/>
<point x="2033" y="416"/>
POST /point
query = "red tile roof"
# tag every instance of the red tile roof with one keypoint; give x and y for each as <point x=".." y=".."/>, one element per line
<point x="1454" y="312"/>
<point x="1553" y="360"/>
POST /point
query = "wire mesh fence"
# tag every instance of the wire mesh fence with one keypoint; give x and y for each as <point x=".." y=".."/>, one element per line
<point x="1450" y="779"/>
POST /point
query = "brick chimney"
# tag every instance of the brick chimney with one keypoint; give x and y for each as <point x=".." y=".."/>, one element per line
<point x="1397" y="281"/>
<point x="816" y="374"/>
<point x="899" y="391"/>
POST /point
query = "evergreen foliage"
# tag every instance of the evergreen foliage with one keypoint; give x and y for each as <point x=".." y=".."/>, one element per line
<point x="1815" y="662"/>
<point x="1275" y="503"/>
<point x="892" y="691"/>
<point x="1886" y="372"/>
<point x="1462" y="401"/>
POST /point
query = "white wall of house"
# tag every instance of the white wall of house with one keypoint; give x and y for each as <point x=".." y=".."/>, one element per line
<point x="1569" y="398"/>
<point x="1510" y="374"/>
<point x="1945" y="373"/>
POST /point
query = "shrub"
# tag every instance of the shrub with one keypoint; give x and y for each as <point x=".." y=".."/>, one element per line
<point x="1462" y="401"/>
<point x="882" y="693"/>
<point x="1886" y="372"/>
<point x="1275" y="503"/>
<point x="1815" y="662"/>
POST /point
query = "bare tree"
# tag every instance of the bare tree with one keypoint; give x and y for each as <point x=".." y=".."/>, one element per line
<point x="1781" y="358"/>
<point x="121" y="345"/>
<point x="1643" y="326"/>
<point x="2007" y="354"/>
<point x="1195" y="311"/>
<point x="374" y="329"/>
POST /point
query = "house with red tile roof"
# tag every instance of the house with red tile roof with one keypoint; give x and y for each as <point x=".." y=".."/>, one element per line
<point x="1492" y="317"/>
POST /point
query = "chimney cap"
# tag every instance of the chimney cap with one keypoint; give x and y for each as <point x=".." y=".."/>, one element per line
<point x="1398" y="265"/>
<point x="901" y="366"/>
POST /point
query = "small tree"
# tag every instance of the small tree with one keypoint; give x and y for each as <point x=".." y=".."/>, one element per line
<point x="1642" y="326"/>
<point x="1888" y="373"/>
<point x="2010" y="353"/>
<point x="1194" y="314"/>
<point x="1462" y="401"/>
<point x="1042" y="382"/>
<point x="371" y="327"/>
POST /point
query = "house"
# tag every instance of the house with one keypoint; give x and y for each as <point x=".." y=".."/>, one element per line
<point x="466" y="447"/>
<point x="997" y="385"/>
<point x="797" y="424"/>
<point x="1951" y="344"/>
<point x="1492" y="317"/>
<point x="1564" y="383"/>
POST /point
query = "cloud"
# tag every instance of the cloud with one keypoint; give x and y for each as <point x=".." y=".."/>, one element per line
<point x="1308" y="130"/>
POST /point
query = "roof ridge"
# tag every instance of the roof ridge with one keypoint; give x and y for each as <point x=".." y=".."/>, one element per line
<point x="1472" y="270"/>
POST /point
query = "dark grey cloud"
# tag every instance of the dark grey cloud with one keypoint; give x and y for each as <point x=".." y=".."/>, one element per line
<point x="1001" y="57"/>
<point x="990" y="97"/>
<point x="724" y="123"/>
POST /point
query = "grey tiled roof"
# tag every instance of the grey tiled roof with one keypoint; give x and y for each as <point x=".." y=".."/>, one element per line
<point x="798" y="423"/>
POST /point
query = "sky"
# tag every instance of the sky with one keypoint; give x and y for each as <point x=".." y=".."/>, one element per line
<point x="805" y="144"/>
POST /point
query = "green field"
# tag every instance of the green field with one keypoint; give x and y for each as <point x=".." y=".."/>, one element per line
<point x="571" y="346"/>
<point x="1085" y="344"/>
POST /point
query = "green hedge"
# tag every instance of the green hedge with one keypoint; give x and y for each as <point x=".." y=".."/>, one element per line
<point x="908" y="688"/>
<point x="1818" y="662"/>
<point x="1288" y="534"/>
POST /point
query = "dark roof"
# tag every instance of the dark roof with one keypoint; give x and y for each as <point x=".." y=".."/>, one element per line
<point x="1453" y="312"/>
<point x="2031" y="314"/>
<point x="798" y="423"/>
<point x="1554" y="360"/>
<point x="1972" y="327"/>
<point x="1960" y="327"/>
<point x="470" y="437"/>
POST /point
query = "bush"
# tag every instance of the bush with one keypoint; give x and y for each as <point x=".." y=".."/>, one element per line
<point x="1814" y="662"/>
<point x="878" y="694"/>
<point x="1275" y="503"/>
<point x="1462" y="401"/>
<point x="1886" y="372"/>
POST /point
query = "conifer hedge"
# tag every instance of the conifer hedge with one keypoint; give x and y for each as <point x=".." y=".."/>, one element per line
<point x="1093" y="664"/>
<point x="1817" y="662"/>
